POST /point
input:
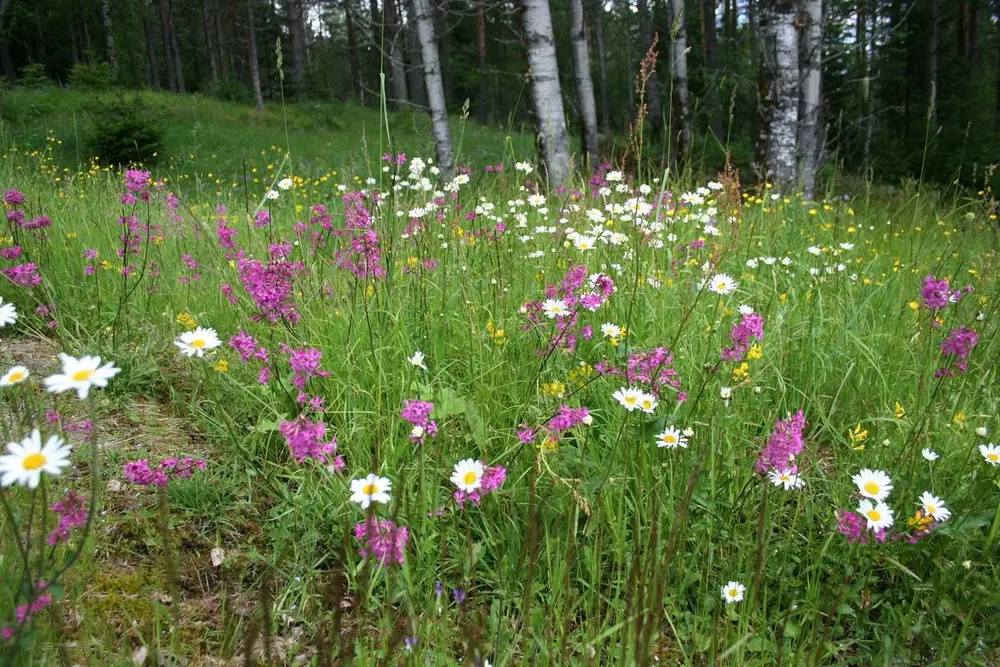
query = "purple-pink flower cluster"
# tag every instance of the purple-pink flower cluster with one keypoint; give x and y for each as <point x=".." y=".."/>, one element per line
<point x="786" y="442"/>
<point x="271" y="286"/>
<point x="652" y="370"/>
<point x="72" y="513"/>
<point x="937" y="294"/>
<point x="418" y="414"/>
<point x="493" y="477"/>
<point x="957" y="347"/>
<point x="576" y="296"/>
<point x="382" y="540"/>
<point x="307" y="439"/>
<point x="363" y="256"/>
<point x="305" y="365"/>
<point x="854" y="527"/>
<point x="27" y="610"/>
<point x="748" y="329"/>
<point x="141" y="473"/>
<point x="24" y="275"/>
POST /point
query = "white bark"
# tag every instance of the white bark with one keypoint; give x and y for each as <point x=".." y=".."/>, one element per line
<point x="779" y="47"/>
<point x="435" y="87"/>
<point x="584" y="84"/>
<point x="109" y="36"/>
<point x="811" y="95"/>
<point x="678" y="45"/>
<point x="545" y="89"/>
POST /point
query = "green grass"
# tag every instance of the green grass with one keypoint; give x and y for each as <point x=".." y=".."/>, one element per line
<point x="600" y="549"/>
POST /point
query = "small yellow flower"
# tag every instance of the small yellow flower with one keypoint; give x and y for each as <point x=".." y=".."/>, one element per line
<point x="783" y="298"/>
<point x="920" y="521"/>
<point x="900" y="411"/>
<point x="755" y="352"/>
<point x="741" y="373"/>
<point x="959" y="420"/>
<point x="186" y="320"/>
<point x="857" y="436"/>
<point x="914" y="305"/>
<point x="222" y="366"/>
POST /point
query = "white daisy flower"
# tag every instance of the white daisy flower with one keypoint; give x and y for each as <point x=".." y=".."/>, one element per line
<point x="723" y="284"/>
<point x="746" y="310"/>
<point x="934" y="507"/>
<point x="195" y="343"/>
<point x="25" y="461"/>
<point x="524" y="167"/>
<point x="468" y="475"/>
<point x="536" y="200"/>
<point x="929" y="454"/>
<point x="991" y="453"/>
<point x="80" y="375"/>
<point x="879" y="516"/>
<point x="555" y="308"/>
<point x="785" y="478"/>
<point x="285" y="184"/>
<point x="874" y="484"/>
<point x="370" y="489"/>
<point x="733" y="592"/>
<point x="611" y="330"/>
<point x="671" y="438"/>
<point x="648" y="403"/>
<point x="725" y="393"/>
<point x="628" y="397"/>
<point x="417" y="359"/>
<point x="8" y="313"/>
<point x="13" y="376"/>
<point x="584" y="242"/>
<point x="272" y="194"/>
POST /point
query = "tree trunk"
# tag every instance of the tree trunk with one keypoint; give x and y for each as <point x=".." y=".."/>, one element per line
<point x="481" y="61"/>
<point x="779" y="89"/>
<point x="547" y="95"/>
<point x="435" y="87"/>
<point x="678" y="43"/>
<point x="154" y="62"/>
<point x="602" y="66"/>
<point x="711" y="65"/>
<point x="165" y="30"/>
<point x="352" y="48"/>
<point x="109" y="36"/>
<point x="397" y="64"/>
<point x="296" y="31"/>
<point x="176" y="53"/>
<point x="414" y="76"/>
<point x="443" y="32"/>
<point x="652" y="85"/>
<point x="865" y="78"/>
<point x="254" y="64"/>
<point x="932" y="61"/>
<point x="584" y="84"/>
<point x="210" y="46"/>
<point x="811" y="64"/>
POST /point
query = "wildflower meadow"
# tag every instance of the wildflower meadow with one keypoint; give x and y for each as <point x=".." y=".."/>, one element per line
<point x="378" y="417"/>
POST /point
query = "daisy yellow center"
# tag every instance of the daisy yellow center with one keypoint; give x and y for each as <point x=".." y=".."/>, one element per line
<point x="720" y="285"/>
<point x="198" y="342"/>
<point x="872" y="488"/>
<point x="82" y="376"/>
<point x="993" y="457"/>
<point x="874" y="515"/>
<point x="784" y="477"/>
<point x="16" y="376"/>
<point x="469" y="477"/>
<point x="646" y="404"/>
<point x="669" y="437"/>
<point x="631" y="401"/>
<point x="370" y="489"/>
<point x="33" y="461"/>
<point x="931" y="509"/>
<point x="733" y="592"/>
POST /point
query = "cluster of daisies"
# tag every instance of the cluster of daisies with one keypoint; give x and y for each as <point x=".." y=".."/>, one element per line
<point x="875" y="486"/>
<point x="633" y="398"/>
<point x="25" y="461"/>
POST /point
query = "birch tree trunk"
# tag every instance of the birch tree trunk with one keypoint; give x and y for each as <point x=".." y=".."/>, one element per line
<point x="652" y="85"/>
<point x="484" y="92"/>
<point x="602" y="66"/>
<point x="708" y="8"/>
<point x="414" y="72"/>
<point x="678" y="44"/>
<point x="584" y="84"/>
<point x="109" y="36"/>
<point x="294" y="12"/>
<point x="545" y="90"/>
<point x="779" y="89"/>
<point x="397" y="66"/>
<point x="254" y="65"/>
<point x="811" y="63"/>
<point x="932" y="61"/>
<point x="435" y="87"/>
<point x="206" y="22"/>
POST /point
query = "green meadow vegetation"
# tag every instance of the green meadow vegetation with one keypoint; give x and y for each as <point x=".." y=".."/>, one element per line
<point x="653" y="418"/>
